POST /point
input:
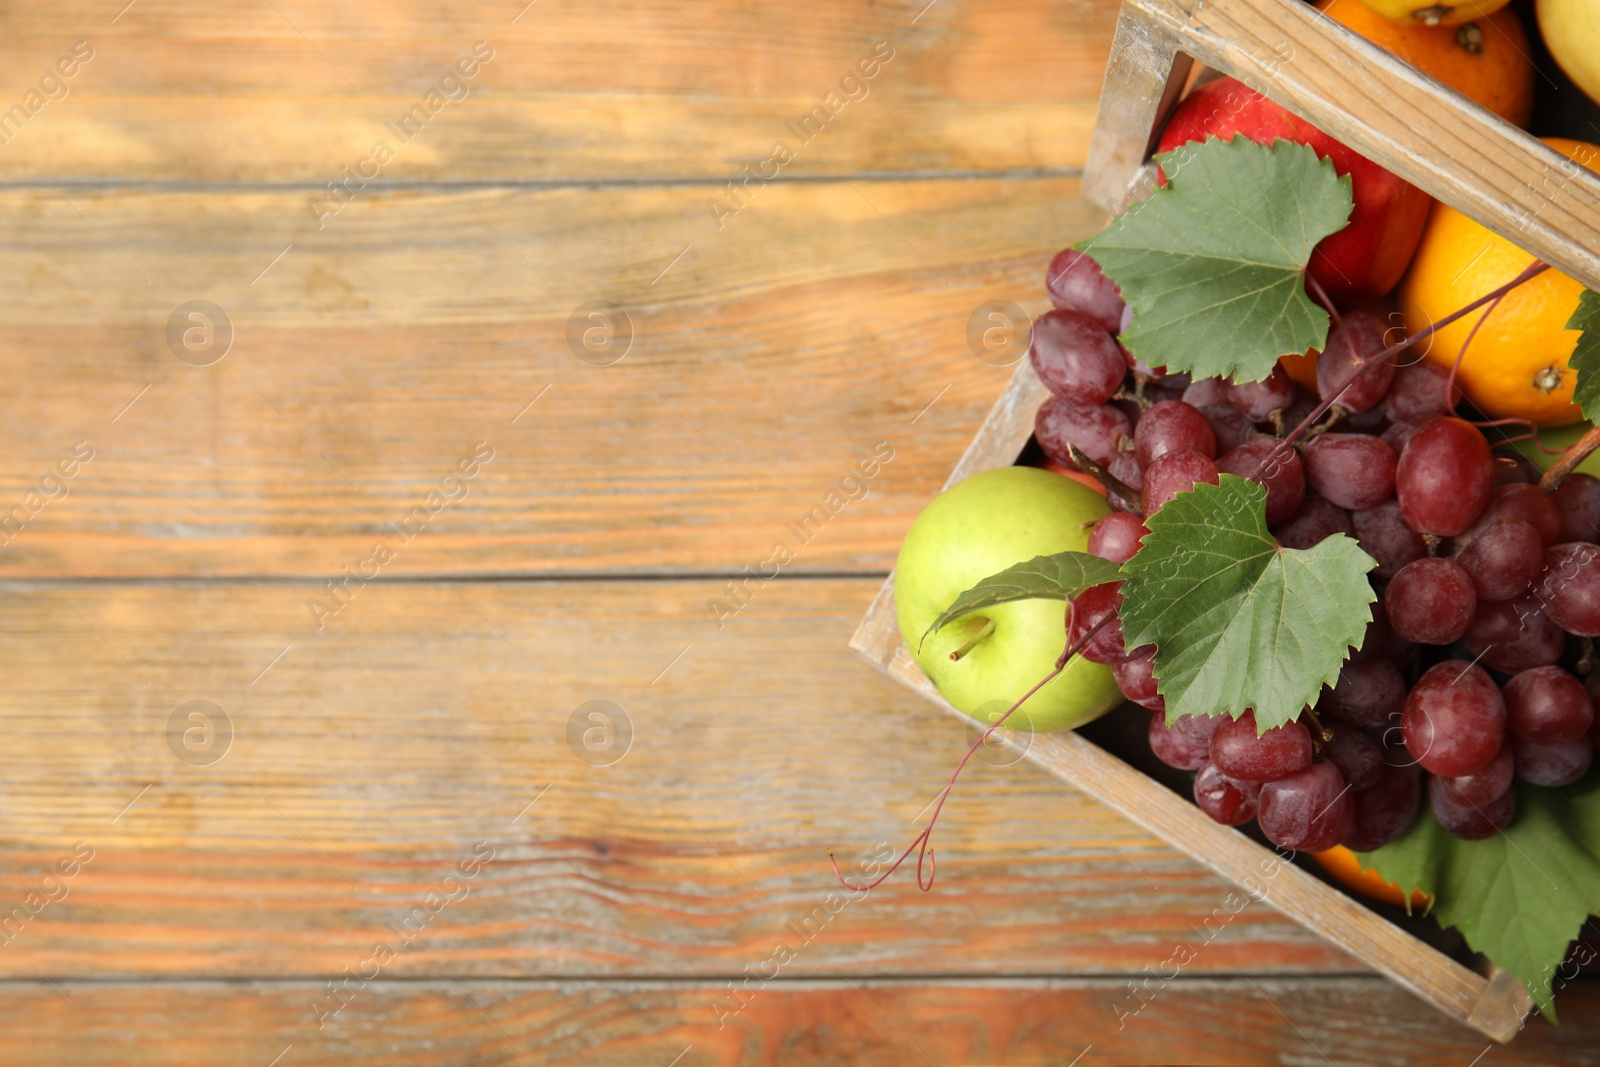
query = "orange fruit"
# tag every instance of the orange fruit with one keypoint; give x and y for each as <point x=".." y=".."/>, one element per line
<point x="1485" y="60"/>
<point x="1346" y="868"/>
<point x="1434" y="12"/>
<point x="1076" y="475"/>
<point x="1303" y="367"/>
<point x="1517" y="365"/>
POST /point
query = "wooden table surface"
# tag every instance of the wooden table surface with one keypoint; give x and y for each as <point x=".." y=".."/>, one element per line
<point x="402" y="762"/>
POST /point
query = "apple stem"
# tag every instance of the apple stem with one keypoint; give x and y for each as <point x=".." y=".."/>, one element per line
<point x="1533" y="270"/>
<point x="1573" y="456"/>
<point x="920" y="843"/>
<point x="972" y="642"/>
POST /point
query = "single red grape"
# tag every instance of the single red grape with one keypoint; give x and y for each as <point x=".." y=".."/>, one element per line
<point x="1075" y="282"/>
<point x="1309" y="811"/>
<point x="1386" y="810"/>
<point x="1549" y="705"/>
<point x="1431" y="601"/>
<point x="1552" y="765"/>
<point x="1397" y="434"/>
<point x="1284" y="479"/>
<point x="1231" y="427"/>
<point x="1577" y="499"/>
<point x="1117" y="537"/>
<point x="1503" y="560"/>
<point x="1444" y="478"/>
<point x="1385" y="537"/>
<point x="1173" y="748"/>
<point x="1361" y="338"/>
<point x="1125" y="469"/>
<point x="1519" y="501"/>
<point x="1075" y="357"/>
<point x="1174" y="473"/>
<point x="1569" y="588"/>
<point x="1455" y="719"/>
<point x="1356" y="755"/>
<point x="1083" y="614"/>
<point x="1486" y="784"/>
<point x="1419" y="392"/>
<point x="1514" y="635"/>
<point x="1200" y="728"/>
<point x="1370" y="694"/>
<point x="1313" y="522"/>
<point x="1207" y="392"/>
<point x="1239" y="753"/>
<point x="1171" y="426"/>
<point x="1230" y="801"/>
<point x="1352" y="470"/>
<point x="1136" y="678"/>
<point x="1258" y="400"/>
<point x="1095" y="428"/>
<point x="1470" y="822"/>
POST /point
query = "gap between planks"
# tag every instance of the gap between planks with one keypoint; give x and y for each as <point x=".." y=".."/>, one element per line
<point x="1019" y="980"/>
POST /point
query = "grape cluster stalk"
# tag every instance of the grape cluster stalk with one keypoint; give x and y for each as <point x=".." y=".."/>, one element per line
<point x="1477" y="669"/>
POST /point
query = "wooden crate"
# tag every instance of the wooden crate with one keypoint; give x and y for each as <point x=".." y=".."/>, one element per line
<point x="1427" y="134"/>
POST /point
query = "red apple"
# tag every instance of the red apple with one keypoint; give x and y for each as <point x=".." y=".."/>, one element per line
<point x="1361" y="262"/>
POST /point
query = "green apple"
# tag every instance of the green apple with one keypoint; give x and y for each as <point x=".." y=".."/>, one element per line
<point x="1560" y="437"/>
<point x="976" y="528"/>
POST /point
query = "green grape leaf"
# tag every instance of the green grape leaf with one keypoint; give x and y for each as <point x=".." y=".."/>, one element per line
<point x="1519" y="897"/>
<point x="1061" y="576"/>
<point x="1237" y="621"/>
<point x="1213" y="264"/>
<point x="1586" y="357"/>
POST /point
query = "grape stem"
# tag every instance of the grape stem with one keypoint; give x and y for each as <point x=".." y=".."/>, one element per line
<point x="1455" y="368"/>
<point x="920" y="843"/>
<point x="1580" y="451"/>
<point x="1326" y="301"/>
<point x="1321" y="734"/>
<point x="1276" y="456"/>
<point x="1113" y="484"/>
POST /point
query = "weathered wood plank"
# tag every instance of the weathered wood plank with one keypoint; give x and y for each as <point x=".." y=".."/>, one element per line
<point x="767" y="361"/>
<point x="295" y="91"/>
<point x="366" y="765"/>
<point x="1288" y="1021"/>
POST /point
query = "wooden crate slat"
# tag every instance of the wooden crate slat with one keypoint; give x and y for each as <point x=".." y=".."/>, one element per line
<point x="1372" y="101"/>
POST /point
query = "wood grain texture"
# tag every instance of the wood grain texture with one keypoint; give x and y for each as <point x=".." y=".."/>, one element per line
<point x="366" y="765"/>
<point x="1144" y="78"/>
<point x="766" y="362"/>
<point x="181" y="90"/>
<point x="1330" y="1021"/>
<point x="1382" y="107"/>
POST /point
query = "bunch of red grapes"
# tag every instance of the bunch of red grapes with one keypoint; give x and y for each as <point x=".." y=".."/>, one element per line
<point x="1488" y="587"/>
